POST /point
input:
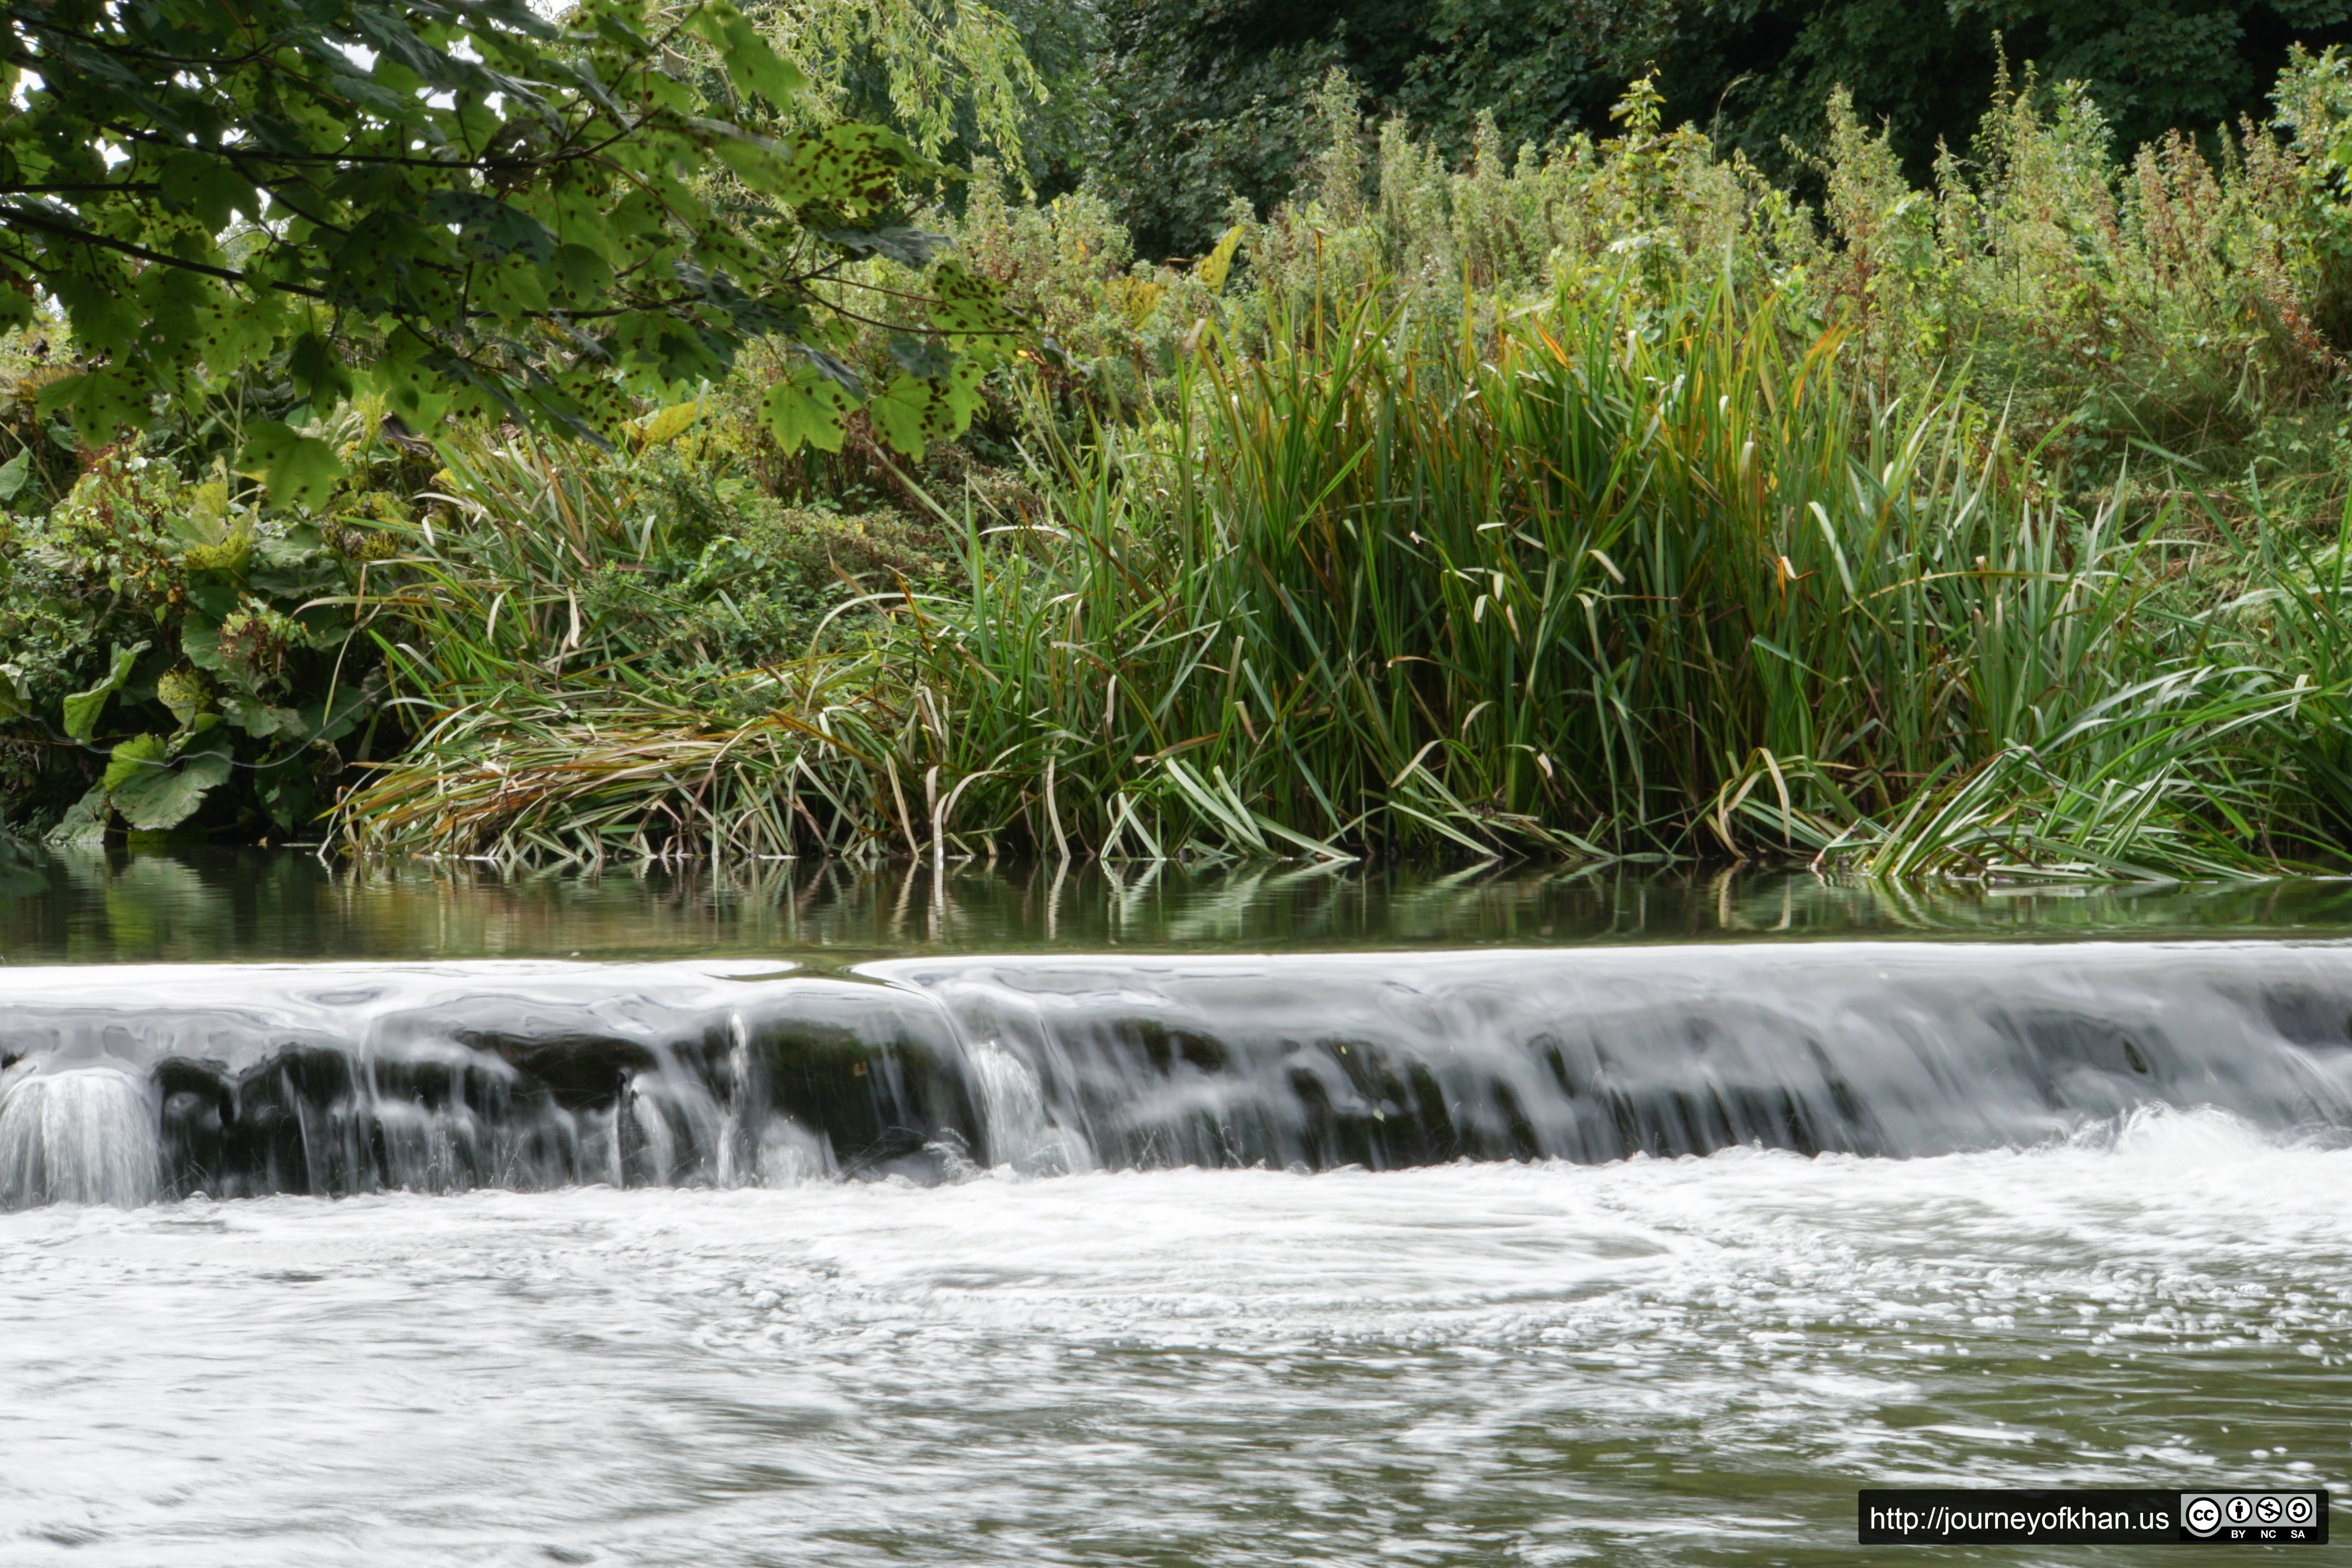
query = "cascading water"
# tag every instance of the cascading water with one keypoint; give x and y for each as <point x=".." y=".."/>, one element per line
<point x="347" y="1079"/>
<point x="80" y="1135"/>
<point x="1020" y="1132"/>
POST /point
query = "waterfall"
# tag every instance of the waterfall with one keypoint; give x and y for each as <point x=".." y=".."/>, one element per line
<point x="80" y="1136"/>
<point x="243" y="1081"/>
<point x="657" y="1147"/>
<point x="791" y="1155"/>
<point x="1020" y="1132"/>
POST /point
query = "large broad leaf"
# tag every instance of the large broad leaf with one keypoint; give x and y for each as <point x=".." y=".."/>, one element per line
<point x="1219" y="263"/>
<point x="200" y="641"/>
<point x="300" y="471"/>
<point x="82" y="708"/>
<point x="154" y="794"/>
<point x="966" y="304"/>
<point x="806" y="406"/>
<point x="135" y="759"/>
<point x="916" y="411"/>
<point x="489" y="230"/>
<point x="13" y="473"/>
<point x="670" y="423"/>
<point x="84" y="824"/>
<point x="260" y="720"/>
<point x="851" y="169"/>
<point x="751" y="63"/>
<point x="208" y="186"/>
<point x="98" y="401"/>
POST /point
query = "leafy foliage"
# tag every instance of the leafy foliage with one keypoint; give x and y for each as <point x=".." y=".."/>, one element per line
<point x="1589" y="503"/>
<point x="1923" y="71"/>
<point x="161" y="641"/>
<point x="1592" y="496"/>
<point x="461" y="209"/>
<point x="944" y="73"/>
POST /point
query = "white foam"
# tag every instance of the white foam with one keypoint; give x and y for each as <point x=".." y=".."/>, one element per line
<point x="1489" y="1362"/>
<point x="791" y="1155"/>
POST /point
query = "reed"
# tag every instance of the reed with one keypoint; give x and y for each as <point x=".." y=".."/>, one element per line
<point x="1617" y="581"/>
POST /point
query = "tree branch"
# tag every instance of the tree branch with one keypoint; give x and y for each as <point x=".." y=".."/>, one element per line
<point x="18" y="216"/>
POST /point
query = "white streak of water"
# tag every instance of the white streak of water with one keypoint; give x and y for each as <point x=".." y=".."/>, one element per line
<point x="1020" y="1132"/>
<point x="81" y="1136"/>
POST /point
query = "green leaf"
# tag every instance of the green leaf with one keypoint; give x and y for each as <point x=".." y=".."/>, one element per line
<point x="489" y="230"/>
<point x="239" y="332"/>
<point x="751" y="64"/>
<point x="200" y="641"/>
<point x="765" y="165"/>
<point x="901" y="413"/>
<point x="852" y="169"/>
<point x="84" y="824"/>
<point x="1215" y="266"/>
<point x="98" y="401"/>
<point x="669" y="424"/>
<point x="82" y="708"/>
<point x="317" y="368"/>
<point x="185" y="692"/>
<point x="208" y="186"/>
<point x="968" y="305"/>
<point x="260" y="720"/>
<point x="13" y="473"/>
<point x="133" y="759"/>
<point x="916" y="411"/>
<point x="153" y="796"/>
<point x="579" y="273"/>
<point x="806" y="406"/>
<point x="300" y="471"/>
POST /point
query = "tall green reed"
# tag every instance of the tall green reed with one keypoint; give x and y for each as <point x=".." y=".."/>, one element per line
<point x="1619" y="578"/>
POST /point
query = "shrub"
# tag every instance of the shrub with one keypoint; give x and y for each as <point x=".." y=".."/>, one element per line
<point x="168" y="655"/>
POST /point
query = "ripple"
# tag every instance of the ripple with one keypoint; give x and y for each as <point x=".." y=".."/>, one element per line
<point x="1658" y="1361"/>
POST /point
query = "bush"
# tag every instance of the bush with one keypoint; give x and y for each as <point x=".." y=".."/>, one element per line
<point x="168" y="656"/>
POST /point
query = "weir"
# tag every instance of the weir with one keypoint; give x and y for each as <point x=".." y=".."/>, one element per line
<point x="122" y="1085"/>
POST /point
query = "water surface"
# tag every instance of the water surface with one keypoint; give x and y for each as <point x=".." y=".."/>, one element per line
<point x="427" y="1215"/>
<point x="250" y="904"/>
<point x="1657" y="1362"/>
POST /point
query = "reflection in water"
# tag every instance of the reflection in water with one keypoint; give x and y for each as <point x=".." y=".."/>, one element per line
<point x="256" y="904"/>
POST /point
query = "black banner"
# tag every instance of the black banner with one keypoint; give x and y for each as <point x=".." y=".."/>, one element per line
<point x="2205" y="1517"/>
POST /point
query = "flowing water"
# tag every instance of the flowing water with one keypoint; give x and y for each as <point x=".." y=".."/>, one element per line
<point x="1195" y="1219"/>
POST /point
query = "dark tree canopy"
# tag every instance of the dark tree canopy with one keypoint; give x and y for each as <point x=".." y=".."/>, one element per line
<point x="1763" y="70"/>
<point x="461" y="207"/>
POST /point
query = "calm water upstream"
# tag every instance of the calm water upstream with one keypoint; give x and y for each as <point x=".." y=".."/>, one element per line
<point x="1251" y="1219"/>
